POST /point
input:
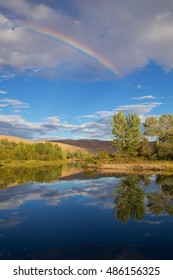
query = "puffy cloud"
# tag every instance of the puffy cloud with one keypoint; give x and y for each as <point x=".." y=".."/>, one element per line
<point x="127" y="36"/>
<point x="17" y="126"/>
<point x="139" y="108"/>
<point x="6" y="102"/>
<point x="131" y="108"/>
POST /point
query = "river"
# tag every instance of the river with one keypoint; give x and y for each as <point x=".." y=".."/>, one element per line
<point x="48" y="213"/>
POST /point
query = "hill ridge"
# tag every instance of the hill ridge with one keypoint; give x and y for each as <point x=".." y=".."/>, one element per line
<point x="91" y="145"/>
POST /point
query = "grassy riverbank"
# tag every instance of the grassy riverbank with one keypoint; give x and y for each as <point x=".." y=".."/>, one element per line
<point x="137" y="166"/>
<point x="133" y="166"/>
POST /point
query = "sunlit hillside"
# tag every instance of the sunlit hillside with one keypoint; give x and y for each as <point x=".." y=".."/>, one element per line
<point x="15" y="139"/>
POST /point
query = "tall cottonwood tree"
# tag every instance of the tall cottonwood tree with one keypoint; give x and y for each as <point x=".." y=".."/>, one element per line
<point x="162" y="130"/>
<point x="127" y="133"/>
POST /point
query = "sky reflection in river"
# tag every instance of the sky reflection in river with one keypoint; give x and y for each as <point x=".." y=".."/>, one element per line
<point x="100" y="218"/>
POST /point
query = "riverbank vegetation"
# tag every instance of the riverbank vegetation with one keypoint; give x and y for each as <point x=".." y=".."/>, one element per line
<point x="35" y="151"/>
<point x="12" y="153"/>
<point x="138" y="142"/>
<point x="138" y="146"/>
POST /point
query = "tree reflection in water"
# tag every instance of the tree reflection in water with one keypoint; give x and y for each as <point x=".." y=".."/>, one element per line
<point x="129" y="201"/>
<point x="130" y="198"/>
<point x="162" y="202"/>
<point x="24" y="175"/>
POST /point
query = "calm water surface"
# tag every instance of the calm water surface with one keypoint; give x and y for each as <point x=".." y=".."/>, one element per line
<point x="44" y="215"/>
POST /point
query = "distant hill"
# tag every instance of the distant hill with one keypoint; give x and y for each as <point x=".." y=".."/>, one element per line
<point x="67" y="145"/>
<point x="68" y="148"/>
<point x="91" y="146"/>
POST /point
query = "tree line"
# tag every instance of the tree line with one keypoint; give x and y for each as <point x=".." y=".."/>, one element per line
<point x="36" y="151"/>
<point x="152" y="140"/>
<point x="24" y="151"/>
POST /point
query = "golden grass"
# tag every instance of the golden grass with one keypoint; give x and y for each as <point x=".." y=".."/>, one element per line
<point x="15" y="139"/>
<point x="135" y="167"/>
<point x="68" y="148"/>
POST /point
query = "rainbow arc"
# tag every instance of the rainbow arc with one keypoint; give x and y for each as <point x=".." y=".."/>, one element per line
<point x="74" y="44"/>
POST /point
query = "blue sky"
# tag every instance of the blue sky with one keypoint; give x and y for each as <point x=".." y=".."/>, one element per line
<point x="50" y="90"/>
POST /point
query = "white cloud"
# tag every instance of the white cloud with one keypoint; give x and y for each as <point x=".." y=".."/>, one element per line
<point x="54" y="119"/>
<point x="6" y="102"/>
<point x="16" y="111"/>
<point x="139" y="108"/>
<point x="3" y="92"/>
<point x="127" y="36"/>
<point x="139" y="87"/>
<point x="8" y="76"/>
<point x="17" y="126"/>
<point x="131" y="108"/>
<point x="144" y="97"/>
<point x="98" y="125"/>
<point x="97" y="115"/>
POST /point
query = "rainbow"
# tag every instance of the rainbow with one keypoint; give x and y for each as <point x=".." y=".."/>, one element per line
<point x="74" y="44"/>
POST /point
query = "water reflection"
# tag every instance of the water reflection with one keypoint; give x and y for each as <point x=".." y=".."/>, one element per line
<point x="129" y="201"/>
<point x="162" y="202"/>
<point x="130" y="198"/>
<point x="100" y="192"/>
<point x="49" y="213"/>
<point x="16" y="176"/>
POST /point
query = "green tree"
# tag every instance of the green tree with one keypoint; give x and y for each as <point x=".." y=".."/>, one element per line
<point x="39" y="151"/>
<point x="164" y="150"/>
<point x="127" y="133"/>
<point x="103" y="155"/>
<point x="162" y="130"/>
<point x="151" y="126"/>
<point x="145" y="149"/>
<point x="7" y="149"/>
<point x="23" y="151"/>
